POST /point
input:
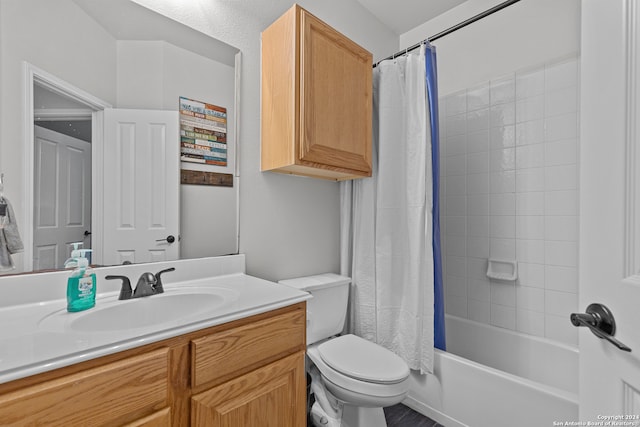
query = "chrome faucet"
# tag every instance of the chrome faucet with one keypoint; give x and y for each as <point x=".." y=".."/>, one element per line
<point x="145" y="286"/>
<point x="148" y="284"/>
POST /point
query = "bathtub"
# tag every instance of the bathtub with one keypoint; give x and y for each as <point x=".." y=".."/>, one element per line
<point x="494" y="377"/>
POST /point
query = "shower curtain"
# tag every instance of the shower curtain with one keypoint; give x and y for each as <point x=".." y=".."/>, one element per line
<point x="387" y="238"/>
<point x="438" y="286"/>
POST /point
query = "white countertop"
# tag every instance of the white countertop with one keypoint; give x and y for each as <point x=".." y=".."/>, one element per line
<point x="36" y="337"/>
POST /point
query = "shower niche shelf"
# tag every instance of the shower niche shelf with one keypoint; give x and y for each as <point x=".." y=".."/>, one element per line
<point x="504" y="270"/>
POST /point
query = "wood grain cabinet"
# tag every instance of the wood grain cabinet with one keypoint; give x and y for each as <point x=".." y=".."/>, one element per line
<point x="108" y="394"/>
<point x="266" y="397"/>
<point x="245" y="373"/>
<point x="316" y="100"/>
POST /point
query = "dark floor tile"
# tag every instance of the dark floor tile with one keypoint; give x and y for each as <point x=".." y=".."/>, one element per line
<point x="414" y="419"/>
<point x="394" y="414"/>
<point x="403" y="416"/>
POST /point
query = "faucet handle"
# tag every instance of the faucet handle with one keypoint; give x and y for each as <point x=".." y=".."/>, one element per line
<point x="125" y="291"/>
<point x="158" y="287"/>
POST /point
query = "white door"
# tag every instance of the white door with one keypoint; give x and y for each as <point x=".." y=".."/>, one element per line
<point x="610" y="207"/>
<point x="141" y="186"/>
<point x="62" y="197"/>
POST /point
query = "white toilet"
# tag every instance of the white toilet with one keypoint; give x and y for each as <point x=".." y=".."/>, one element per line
<point x="352" y="378"/>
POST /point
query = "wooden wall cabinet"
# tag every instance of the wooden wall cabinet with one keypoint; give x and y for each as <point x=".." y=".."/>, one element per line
<point x="244" y="373"/>
<point x="316" y="100"/>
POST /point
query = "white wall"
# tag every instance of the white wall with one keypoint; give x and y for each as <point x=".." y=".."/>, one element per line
<point x="40" y="33"/>
<point x="153" y="75"/>
<point x="289" y="226"/>
<point x="140" y="74"/>
<point x="524" y="34"/>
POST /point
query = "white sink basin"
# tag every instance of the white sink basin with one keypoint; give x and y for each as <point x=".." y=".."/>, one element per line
<point x="112" y="315"/>
<point x="142" y="312"/>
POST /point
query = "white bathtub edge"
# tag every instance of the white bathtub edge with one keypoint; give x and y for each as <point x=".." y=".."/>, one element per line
<point x="456" y="395"/>
<point x="434" y="414"/>
<point x="477" y="341"/>
<point x="563" y="395"/>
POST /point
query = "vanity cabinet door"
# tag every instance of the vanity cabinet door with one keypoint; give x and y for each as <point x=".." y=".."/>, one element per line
<point x="271" y="396"/>
<point x="316" y="100"/>
<point x="112" y="394"/>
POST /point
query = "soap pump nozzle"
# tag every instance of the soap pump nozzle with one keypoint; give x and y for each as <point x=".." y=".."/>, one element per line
<point x="83" y="261"/>
<point x="76" y="254"/>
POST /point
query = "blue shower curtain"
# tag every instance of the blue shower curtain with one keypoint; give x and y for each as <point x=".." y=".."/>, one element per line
<point x="432" y="99"/>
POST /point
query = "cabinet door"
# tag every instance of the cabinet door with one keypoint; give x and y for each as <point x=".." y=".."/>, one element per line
<point x="105" y="395"/>
<point x="271" y="396"/>
<point x="336" y="104"/>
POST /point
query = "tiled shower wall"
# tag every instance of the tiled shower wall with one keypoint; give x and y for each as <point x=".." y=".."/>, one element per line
<point x="509" y="166"/>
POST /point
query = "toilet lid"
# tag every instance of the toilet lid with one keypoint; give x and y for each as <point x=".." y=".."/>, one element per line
<point x="361" y="359"/>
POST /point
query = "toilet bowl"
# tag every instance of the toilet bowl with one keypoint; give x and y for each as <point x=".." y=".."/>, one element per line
<point x="357" y="378"/>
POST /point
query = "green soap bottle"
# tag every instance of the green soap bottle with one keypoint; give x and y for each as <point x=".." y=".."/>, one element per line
<point x="81" y="285"/>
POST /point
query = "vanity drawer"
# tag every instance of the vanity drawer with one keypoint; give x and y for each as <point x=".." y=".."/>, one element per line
<point x="109" y="394"/>
<point x="221" y="356"/>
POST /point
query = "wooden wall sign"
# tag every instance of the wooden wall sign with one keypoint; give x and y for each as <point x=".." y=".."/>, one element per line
<point x="206" y="178"/>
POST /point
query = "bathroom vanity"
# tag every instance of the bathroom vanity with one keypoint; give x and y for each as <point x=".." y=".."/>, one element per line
<point x="240" y="364"/>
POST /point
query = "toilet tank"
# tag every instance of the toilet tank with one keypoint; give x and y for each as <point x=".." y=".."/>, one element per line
<point x="327" y="309"/>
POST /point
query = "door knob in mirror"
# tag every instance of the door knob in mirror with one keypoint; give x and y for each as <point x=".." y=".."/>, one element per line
<point x="169" y="239"/>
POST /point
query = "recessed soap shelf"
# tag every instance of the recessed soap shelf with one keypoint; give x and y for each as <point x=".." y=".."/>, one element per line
<point x="502" y="270"/>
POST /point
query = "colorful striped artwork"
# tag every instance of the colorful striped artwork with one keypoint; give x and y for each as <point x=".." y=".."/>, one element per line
<point x="203" y="133"/>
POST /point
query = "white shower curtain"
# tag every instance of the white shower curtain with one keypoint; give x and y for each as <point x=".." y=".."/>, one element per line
<point x="386" y="220"/>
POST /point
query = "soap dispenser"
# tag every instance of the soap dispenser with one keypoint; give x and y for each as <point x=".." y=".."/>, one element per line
<point x="81" y="285"/>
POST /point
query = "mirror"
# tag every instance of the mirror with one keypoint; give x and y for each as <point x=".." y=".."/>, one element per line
<point x="118" y="54"/>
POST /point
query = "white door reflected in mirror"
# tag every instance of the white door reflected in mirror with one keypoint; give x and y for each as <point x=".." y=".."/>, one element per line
<point x="62" y="197"/>
<point x="141" y="186"/>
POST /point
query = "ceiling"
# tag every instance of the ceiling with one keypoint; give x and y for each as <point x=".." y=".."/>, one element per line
<point x="61" y="114"/>
<point x="127" y="20"/>
<point x="404" y="15"/>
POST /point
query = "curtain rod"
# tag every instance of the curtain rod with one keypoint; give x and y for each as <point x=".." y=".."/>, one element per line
<point x="456" y="27"/>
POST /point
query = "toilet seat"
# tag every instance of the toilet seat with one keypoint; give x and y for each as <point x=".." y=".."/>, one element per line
<point x="363" y="360"/>
<point x="357" y="391"/>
